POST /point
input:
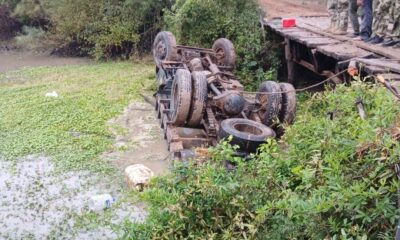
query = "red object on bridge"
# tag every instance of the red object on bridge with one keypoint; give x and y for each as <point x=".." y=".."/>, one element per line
<point x="288" y="22"/>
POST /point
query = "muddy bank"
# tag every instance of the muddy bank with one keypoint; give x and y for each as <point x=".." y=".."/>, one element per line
<point x="13" y="60"/>
<point x="141" y="140"/>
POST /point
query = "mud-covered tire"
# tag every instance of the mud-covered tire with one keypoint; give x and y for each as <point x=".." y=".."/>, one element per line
<point x="180" y="97"/>
<point x="164" y="48"/>
<point x="199" y="98"/>
<point x="247" y="134"/>
<point x="270" y="102"/>
<point x="224" y="52"/>
<point x="288" y="109"/>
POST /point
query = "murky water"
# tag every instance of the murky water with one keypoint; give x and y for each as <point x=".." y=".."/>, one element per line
<point x="36" y="202"/>
<point x="12" y="60"/>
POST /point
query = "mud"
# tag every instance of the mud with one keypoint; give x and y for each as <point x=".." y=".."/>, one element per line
<point x="37" y="202"/>
<point x="13" y="60"/>
<point x="142" y="141"/>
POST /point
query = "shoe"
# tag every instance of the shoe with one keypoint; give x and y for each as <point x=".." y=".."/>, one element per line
<point x="390" y="43"/>
<point x="397" y="46"/>
<point x="331" y="27"/>
<point x="354" y="35"/>
<point x="339" y="32"/>
<point x="376" y="40"/>
<point x="369" y="39"/>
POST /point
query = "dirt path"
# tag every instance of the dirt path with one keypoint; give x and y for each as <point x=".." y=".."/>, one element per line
<point x="142" y="141"/>
<point x="12" y="60"/>
<point x="293" y="8"/>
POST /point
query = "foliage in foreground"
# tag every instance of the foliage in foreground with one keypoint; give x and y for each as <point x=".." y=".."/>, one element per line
<point x="327" y="179"/>
<point x="73" y="127"/>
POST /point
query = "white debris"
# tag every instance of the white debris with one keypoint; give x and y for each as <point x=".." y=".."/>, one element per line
<point x="101" y="202"/>
<point x="52" y="94"/>
<point x="138" y="176"/>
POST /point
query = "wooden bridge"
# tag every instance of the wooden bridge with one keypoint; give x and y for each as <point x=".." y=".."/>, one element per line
<point x="308" y="45"/>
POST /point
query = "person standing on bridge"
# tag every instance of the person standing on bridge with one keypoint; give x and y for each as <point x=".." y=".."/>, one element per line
<point x="332" y="11"/>
<point x="353" y="13"/>
<point x="366" y="19"/>
<point x="339" y="14"/>
<point x="391" y="33"/>
<point x="396" y="31"/>
<point x="342" y="17"/>
<point x="381" y="18"/>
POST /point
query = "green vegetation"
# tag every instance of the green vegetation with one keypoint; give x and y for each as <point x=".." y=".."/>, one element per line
<point x="326" y="179"/>
<point x="73" y="127"/>
<point x="237" y="20"/>
<point x="122" y="29"/>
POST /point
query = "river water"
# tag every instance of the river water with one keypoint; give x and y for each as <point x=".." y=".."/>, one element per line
<point x="13" y="60"/>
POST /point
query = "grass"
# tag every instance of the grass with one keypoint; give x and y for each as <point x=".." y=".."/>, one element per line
<point x="72" y="128"/>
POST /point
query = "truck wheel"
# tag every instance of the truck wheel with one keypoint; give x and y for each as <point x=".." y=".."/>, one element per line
<point x="224" y="52"/>
<point x="199" y="99"/>
<point x="164" y="48"/>
<point x="270" y="102"/>
<point x="247" y="134"/>
<point x="181" y="97"/>
<point x="288" y="111"/>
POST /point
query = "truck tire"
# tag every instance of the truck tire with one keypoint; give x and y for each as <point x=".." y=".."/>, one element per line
<point x="288" y="110"/>
<point x="164" y="48"/>
<point x="180" y="97"/>
<point x="199" y="99"/>
<point x="224" y="52"/>
<point x="270" y="102"/>
<point x="247" y="134"/>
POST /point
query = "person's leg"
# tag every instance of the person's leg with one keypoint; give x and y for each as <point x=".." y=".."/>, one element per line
<point x="381" y="20"/>
<point x="332" y="11"/>
<point x="354" y="16"/>
<point x="396" y="31"/>
<point x="367" y="17"/>
<point x="390" y="28"/>
<point x="343" y="17"/>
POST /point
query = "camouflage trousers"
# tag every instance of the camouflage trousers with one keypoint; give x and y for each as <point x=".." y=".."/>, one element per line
<point x="393" y="25"/>
<point x="381" y="17"/>
<point x="339" y="13"/>
<point x="332" y="11"/>
<point x="343" y="14"/>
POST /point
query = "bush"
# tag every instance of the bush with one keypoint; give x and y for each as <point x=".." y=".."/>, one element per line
<point x="31" y="13"/>
<point x="8" y="24"/>
<point x="328" y="179"/>
<point x="30" y="38"/>
<point x="201" y="22"/>
<point x="106" y="28"/>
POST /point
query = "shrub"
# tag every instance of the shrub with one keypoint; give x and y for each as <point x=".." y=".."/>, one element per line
<point x="106" y="28"/>
<point x="8" y="24"/>
<point x="327" y="179"/>
<point x="31" y="13"/>
<point x="30" y="38"/>
<point x="201" y="22"/>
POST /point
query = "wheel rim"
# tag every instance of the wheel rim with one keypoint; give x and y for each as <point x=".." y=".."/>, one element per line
<point x="248" y="129"/>
<point x="220" y="56"/>
<point x="161" y="50"/>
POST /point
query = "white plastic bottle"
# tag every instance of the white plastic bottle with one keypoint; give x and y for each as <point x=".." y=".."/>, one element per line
<point x="100" y="202"/>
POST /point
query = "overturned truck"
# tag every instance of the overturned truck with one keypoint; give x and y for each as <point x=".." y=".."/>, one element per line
<point x="199" y="100"/>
